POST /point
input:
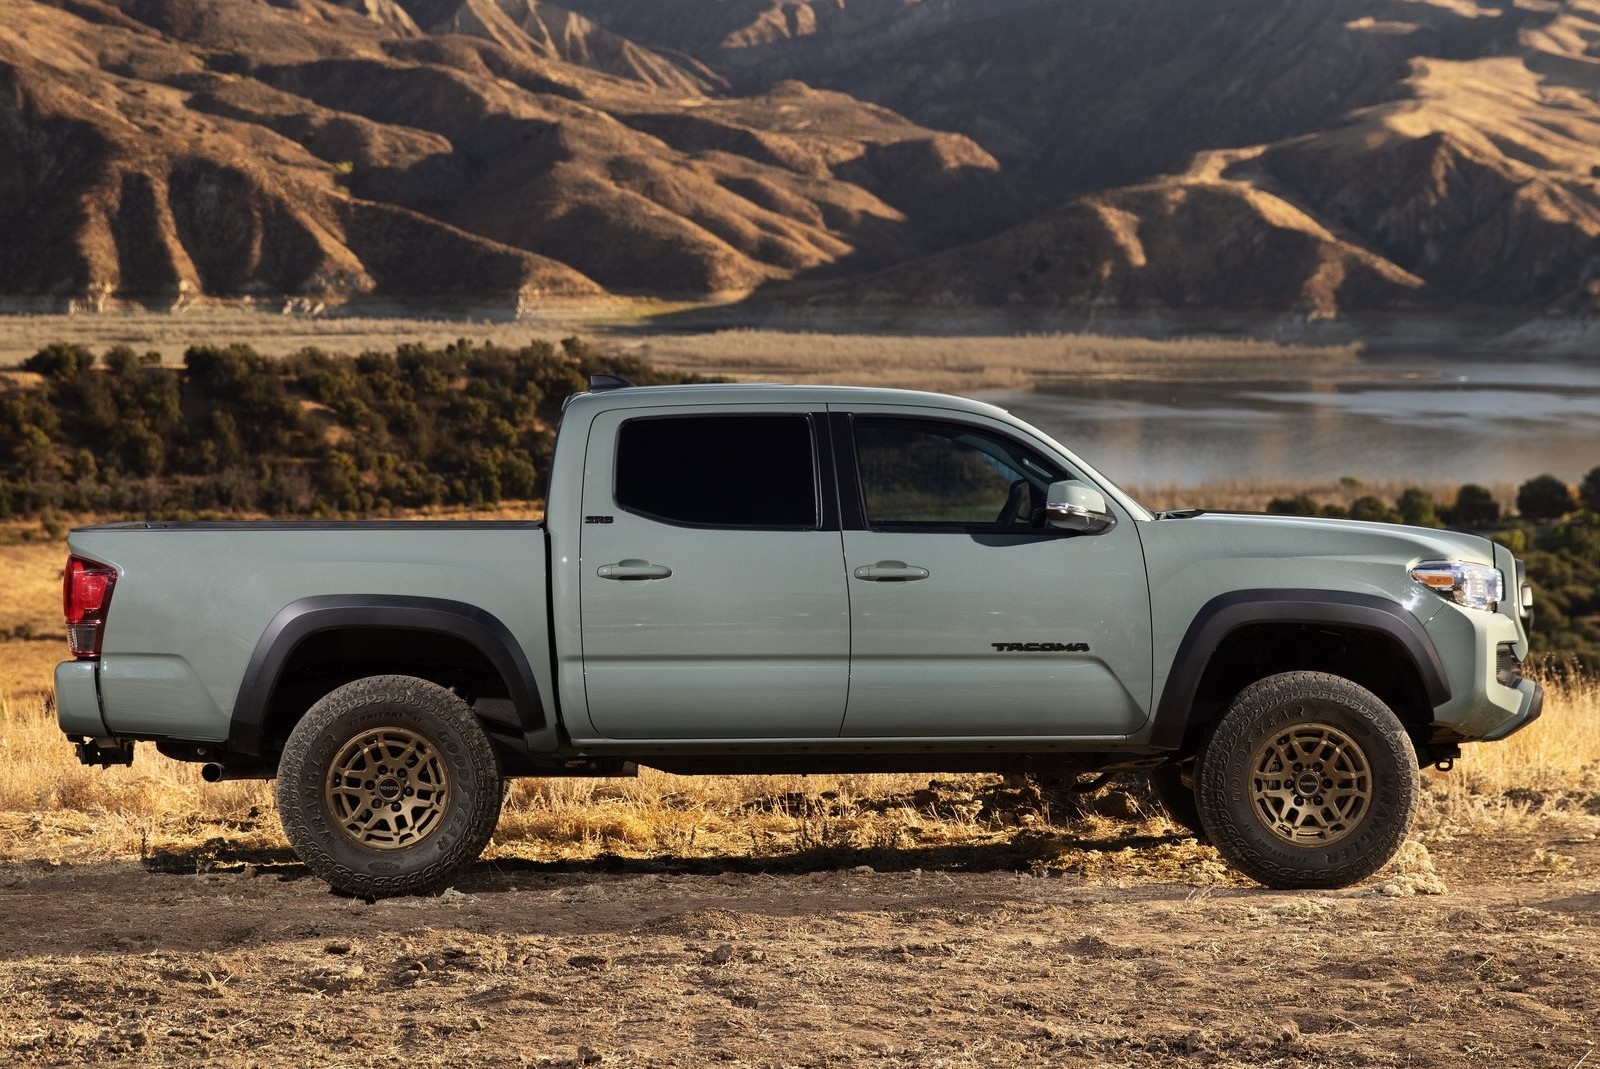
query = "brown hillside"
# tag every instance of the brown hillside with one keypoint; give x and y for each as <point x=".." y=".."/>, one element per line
<point x="1486" y="180"/>
<point x="1458" y="140"/>
<point x="116" y="187"/>
<point x="179" y="147"/>
<point x="552" y="32"/>
<point x="1170" y="244"/>
<point x="1267" y="154"/>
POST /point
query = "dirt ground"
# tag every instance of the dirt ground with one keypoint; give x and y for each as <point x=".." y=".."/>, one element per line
<point x="230" y="957"/>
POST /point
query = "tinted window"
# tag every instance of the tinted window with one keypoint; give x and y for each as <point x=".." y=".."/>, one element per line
<point x="718" y="471"/>
<point x="948" y="474"/>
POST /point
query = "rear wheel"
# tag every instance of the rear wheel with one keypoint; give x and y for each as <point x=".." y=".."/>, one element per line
<point x="1308" y="780"/>
<point x="1174" y="787"/>
<point x="388" y="786"/>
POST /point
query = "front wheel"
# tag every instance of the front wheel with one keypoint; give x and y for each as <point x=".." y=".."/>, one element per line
<point x="1308" y="780"/>
<point x="388" y="786"/>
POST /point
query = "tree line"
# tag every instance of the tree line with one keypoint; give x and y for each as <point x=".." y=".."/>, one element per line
<point x="310" y="434"/>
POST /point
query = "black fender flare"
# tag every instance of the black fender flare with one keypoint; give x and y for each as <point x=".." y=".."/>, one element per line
<point x="302" y="619"/>
<point x="1227" y="613"/>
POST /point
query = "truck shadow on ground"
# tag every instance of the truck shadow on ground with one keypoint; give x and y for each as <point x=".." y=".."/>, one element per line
<point x="1024" y="852"/>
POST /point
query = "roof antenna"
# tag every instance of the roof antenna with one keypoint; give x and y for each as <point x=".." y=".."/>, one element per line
<point x="599" y="383"/>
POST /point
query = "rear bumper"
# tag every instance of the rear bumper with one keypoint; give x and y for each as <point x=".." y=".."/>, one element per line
<point x="78" y="700"/>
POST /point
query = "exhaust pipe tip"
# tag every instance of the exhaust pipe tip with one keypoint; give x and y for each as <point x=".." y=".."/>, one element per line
<point x="239" y="766"/>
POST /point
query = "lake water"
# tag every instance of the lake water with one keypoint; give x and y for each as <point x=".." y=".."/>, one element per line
<point x="1391" y="418"/>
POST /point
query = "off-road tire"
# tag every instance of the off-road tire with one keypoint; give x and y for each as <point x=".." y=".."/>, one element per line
<point x="1177" y="797"/>
<point x="1289" y="733"/>
<point x="424" y="724"/>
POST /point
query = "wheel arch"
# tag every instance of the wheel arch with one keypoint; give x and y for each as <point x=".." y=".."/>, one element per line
<point x="1243" y="635"/>
<point x="372" y="634"/>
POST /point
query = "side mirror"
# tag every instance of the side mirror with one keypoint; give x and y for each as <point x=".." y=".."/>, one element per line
<point x="1072" y="506"/>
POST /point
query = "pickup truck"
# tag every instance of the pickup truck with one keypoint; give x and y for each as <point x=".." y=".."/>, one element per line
<point x="760" y="579"/>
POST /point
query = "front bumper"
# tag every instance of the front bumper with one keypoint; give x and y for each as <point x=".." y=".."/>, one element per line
<point x="1486" y="701"/>
<point x="1528" y="714"/>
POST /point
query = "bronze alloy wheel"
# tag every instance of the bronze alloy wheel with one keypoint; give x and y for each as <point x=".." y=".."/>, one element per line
<point x="1307" y="780"/>
<point x="388" y="789"/>
<point x="1311" y="785"/>
<point x="389" y="785"/>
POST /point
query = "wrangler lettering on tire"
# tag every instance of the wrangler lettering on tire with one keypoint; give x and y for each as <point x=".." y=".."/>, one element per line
<point x="388" y="786"/>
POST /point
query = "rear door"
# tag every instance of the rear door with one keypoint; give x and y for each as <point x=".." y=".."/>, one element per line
<point x="969" y="617"/>
<point x="712" y="595"/>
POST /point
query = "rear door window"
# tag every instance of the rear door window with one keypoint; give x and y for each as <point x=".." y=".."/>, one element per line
<point x="739" y="471"/>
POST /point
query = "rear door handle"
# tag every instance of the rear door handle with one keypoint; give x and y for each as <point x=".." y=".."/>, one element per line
<point x="634" y="569"/>
<point x="891" y="571"/>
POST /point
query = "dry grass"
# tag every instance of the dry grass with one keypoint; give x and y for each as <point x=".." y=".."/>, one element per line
<point x="966" y="363"/>
<point x="952" y="363"/>
<point x="268" y="332"/>
<point x="738" y="816"/>
<point x="55" y="808"/>
<point x="38" y="772"/>
<point x="1549" y="770"/>
<point x="30" y="585"/>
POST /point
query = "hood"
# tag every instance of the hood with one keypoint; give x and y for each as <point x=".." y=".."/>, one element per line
<point x="1239" y="534"/>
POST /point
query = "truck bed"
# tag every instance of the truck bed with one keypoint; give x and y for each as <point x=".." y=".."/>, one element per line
<point x="219" y="592"/>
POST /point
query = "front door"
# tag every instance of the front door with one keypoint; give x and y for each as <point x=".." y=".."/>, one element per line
<point x="970" y="617"/>
<point x="713" y="605"/>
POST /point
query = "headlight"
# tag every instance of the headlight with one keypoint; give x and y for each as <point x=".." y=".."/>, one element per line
<point x="1477" y="586"/>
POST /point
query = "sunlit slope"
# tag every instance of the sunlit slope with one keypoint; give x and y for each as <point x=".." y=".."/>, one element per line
<point x="166" y="149"/>
<point x="1456" y="160"/>
<point x="1136" y="154"/>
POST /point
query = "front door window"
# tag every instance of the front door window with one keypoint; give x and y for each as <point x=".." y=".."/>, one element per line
<point x="923" y="475"/>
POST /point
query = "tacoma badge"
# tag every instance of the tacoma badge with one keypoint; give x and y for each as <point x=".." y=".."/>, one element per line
<point x="1041" y="647"/>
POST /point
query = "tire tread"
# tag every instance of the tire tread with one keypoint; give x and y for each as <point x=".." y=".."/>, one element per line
<point x="1240" y="730"/>
<point x="421" y="698"/>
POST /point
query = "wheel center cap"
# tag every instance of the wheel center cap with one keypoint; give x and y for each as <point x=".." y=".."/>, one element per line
<point x="389" y="789"/>
<point x="1308" y="783"/>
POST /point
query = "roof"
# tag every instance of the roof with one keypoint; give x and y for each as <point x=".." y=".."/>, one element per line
<point x="774" y="393"/>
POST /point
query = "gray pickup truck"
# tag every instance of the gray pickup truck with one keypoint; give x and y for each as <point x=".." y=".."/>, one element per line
<point x="801" y="579"/>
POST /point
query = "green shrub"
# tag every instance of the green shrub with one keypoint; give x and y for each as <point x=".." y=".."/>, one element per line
<point x="1589" y="490"/>
<point x="1545" y="497"/>
<point x="1373" y="510"/>
<point x="1475" y="507"/>
<point x="1299" y="505"/>
<point x="1418" y="508"/>
<point x="1514" y="538"/>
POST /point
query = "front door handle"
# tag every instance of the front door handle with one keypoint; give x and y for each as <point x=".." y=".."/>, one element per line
<point x="634" y="569"/>
<point x="891" y="571"/>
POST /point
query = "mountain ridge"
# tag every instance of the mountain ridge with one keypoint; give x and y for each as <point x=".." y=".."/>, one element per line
<point x="1251" y="154"/>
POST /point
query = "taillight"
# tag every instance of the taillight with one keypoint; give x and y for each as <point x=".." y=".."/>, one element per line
<point x="85" y="595"/>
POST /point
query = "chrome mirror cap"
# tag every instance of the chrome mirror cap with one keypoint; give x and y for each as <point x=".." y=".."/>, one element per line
<point x="1072" y="506"/>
